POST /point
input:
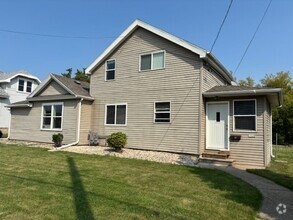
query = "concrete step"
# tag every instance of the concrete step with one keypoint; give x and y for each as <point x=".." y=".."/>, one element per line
<point x="216" y="161"/>
<point x="216" y="154"/>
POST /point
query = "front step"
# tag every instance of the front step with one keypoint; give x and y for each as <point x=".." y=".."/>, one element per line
<point x="216" y="154"/>
<point x="216" y="161"/>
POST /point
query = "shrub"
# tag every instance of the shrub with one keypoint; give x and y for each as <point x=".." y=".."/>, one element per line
<point x="57" y="139"/>
<point x="117" y="140"/>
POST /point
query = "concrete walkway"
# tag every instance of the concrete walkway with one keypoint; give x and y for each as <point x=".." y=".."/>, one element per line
<point x="273" y="194"/>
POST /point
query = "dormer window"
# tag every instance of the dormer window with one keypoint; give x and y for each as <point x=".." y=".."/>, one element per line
<point x="152" y="61"/>
<point x="21" y="85"/>
<point x="110" y="70"/>
<point x="25" y="85"/>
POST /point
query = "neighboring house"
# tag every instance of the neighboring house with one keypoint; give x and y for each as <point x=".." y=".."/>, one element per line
<point x="14" y="87"/>
<point x="165" y="93"/>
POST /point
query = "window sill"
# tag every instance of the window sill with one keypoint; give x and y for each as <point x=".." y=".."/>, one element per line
<point x="115" y="125"/>
<point x="244" y="131"/>
<point x="109" y="80"/>
<point x="162" y="123"/>
<point x="142" y="71"/>
<point x="44" y="129"/>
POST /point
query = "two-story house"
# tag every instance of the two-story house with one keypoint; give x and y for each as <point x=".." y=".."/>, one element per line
<point x="14" y="87"/>
<point x="165" y="93"/>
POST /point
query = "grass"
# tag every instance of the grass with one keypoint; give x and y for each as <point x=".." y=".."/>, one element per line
<point x="37" y="184"/>
<point x="281" y="168"/>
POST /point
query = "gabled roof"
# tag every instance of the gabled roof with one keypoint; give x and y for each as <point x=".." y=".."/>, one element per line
<point x="3" y="94"/>
<point x="203" y="54"/>
<point x="7" y="77"/>
<point x="73" y="87"/>
<point x="274" y="95"/>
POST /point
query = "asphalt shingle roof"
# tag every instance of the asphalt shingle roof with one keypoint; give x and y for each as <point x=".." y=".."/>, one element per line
<point x="4" y="76"/>
<point x="77" y="87"/>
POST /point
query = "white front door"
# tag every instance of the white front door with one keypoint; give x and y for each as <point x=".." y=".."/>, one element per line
<point x="217" y="125"/>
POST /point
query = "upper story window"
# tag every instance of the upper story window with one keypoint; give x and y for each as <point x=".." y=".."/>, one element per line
<point x="25" y="85"/>
<point x="152" y="61"/>
<point x="52" y="115"/>
<point x="116" y="114"/>
<point x="162" y="112"/>
<point x="245" y="115"/>
<point x="110" y="69"/>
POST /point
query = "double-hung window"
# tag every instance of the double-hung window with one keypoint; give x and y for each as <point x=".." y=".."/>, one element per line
<point x="152" y="61"/>
<point x="162" y="112"/>
<point x="245" y="115"/>
<point x="52" y="116"/>
<point x="116" y="114"/>
<point x="110" y="69"/>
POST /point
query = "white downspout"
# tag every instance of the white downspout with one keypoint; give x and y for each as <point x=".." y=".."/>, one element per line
<point x="78" y="128"/>
<point x="8" y="137"/>
<point x="271" y="122"/>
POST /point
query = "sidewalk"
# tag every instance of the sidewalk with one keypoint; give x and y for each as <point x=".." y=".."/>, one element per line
<point x="274" y="195"/>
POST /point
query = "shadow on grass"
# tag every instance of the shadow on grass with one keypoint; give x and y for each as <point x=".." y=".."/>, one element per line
<point x="82" y="206"/>
<point x="232" y="188"/>
<point x="278" y="178"/>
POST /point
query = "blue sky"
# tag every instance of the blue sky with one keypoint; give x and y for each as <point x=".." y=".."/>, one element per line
<point x="193" y="20"/>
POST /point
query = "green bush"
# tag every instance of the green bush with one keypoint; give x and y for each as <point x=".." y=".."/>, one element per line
<point x="117" y="140"/>
<point x="5" y="135"/>
<point x="57" y="139"/>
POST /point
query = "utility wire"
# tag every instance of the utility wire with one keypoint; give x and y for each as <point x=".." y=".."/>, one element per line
<point x="222" y="25"/>
<point x="51" y="35"/>
<point x="253" y="36"/>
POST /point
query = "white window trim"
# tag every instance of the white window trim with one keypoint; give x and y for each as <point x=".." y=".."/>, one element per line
<point x="154" y="119"/>
<point x="152" y="55"/>
<point x="109" y="70"/>
<point x="115" y="104"/>
<point x="255" y="115"/>
<point x="24" y="85"/>
<point x="51" y="125"/>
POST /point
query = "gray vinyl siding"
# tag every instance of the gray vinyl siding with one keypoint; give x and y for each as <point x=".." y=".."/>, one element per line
<point x="53" y="88"/>
<point x="210" y="78"/>
<point x="177" y="83"/>
<point x="85" y="122"/>
<point x="26" y="123"/>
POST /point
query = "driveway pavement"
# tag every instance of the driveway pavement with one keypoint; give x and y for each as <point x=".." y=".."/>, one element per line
<point x="277" y="200"/>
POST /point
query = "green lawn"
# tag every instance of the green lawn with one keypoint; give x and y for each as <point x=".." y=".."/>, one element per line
<point x="37" y="184"/>
<point x="281" y="168"/>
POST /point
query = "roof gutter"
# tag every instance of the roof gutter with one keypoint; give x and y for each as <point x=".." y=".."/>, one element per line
<point x="246" y="92"/>
<point x="215" y="63"/>
<point x="19" y="105"/>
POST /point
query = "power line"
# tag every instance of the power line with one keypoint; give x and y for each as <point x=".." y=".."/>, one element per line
<point x="253" y="36"/>
<point x="222" y="24"/>
<point x="51" y="35"/>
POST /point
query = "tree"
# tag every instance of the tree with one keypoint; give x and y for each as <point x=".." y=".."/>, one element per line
<point x="282" y="117"/>
<point x="249" y="81"/>
<point x="80" y="75"/>
<point x="68" y="74"/>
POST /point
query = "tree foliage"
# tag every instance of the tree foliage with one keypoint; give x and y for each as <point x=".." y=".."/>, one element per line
<point x="249" y="81"/>
<point x="80" y="75"/>
<point x="282" y="117"/>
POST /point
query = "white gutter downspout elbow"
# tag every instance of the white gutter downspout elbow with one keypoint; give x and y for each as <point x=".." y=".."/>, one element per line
<point x="78" y="128"/>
